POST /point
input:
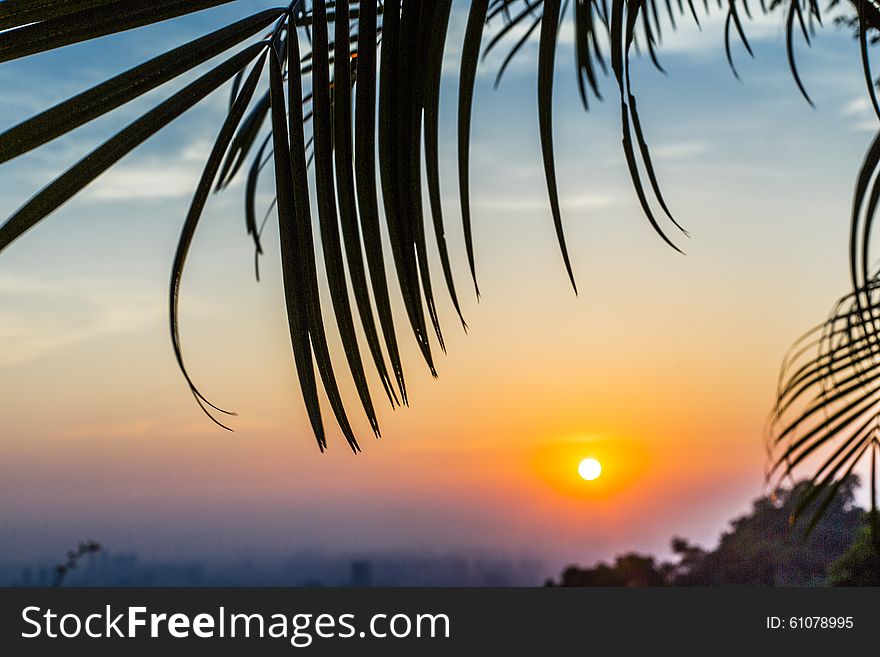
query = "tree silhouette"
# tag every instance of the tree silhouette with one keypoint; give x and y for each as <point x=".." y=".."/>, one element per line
<point x="334" y="100"/>
<point x="630" y="569"/>
<point x="860" y="565"/>
<point x="758" y="549"/>
<point x="72" y="559"/>
<point x="761" y="549"/>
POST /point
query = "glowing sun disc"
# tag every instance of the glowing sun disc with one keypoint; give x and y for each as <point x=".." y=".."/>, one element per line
<point x="589" y="469"/>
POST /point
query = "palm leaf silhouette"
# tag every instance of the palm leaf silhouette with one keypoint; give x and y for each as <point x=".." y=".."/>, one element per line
<point x="828" y="399"/>
<point x="356" y="137"/>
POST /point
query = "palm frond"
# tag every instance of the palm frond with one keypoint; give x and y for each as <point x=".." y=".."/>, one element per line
<point x="73" y="22"/>
<point x="828" y="399"/>
<point x="371" y="85"/>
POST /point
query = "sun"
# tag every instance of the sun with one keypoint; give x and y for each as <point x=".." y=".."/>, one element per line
<point x="589" y="469"/>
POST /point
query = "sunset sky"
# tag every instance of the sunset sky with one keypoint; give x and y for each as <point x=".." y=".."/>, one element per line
<point x="664" y="368"/>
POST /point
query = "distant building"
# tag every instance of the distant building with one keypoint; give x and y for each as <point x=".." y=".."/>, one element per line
<point x="308" y="569"/>
<point x="361" y="574"/>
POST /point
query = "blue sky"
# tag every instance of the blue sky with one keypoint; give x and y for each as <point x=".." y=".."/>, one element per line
<point x="99" y="423"/>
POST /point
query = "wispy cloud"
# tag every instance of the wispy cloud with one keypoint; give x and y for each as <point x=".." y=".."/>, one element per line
<point x="171" y="176"/>
<point x="144" y="181"/>
<point x="690" y="39"/>
<point x="38" y="317"/>
<point x="860" y="115"/>
<point x="158" y="176"/>
<point x="679" y="150"/>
